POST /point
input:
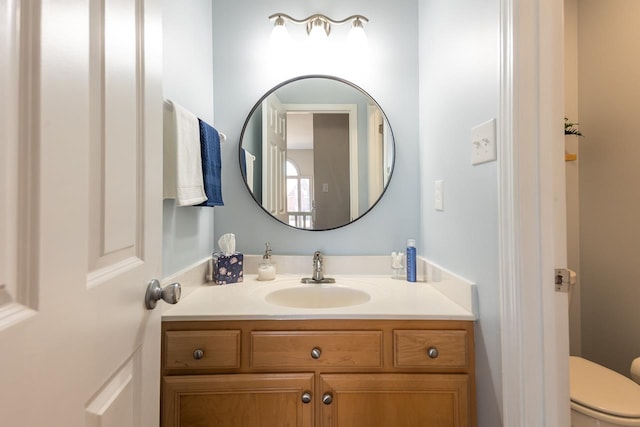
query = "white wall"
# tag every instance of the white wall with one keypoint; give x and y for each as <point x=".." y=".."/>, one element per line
<point x="609" y="66"/>
<point x="244" y="71"/>
<point x="459" y="89"/>
<point x="303" y="159"/>
<point x="188" y="80"/>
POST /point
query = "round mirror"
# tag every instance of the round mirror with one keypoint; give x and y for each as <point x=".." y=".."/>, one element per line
<point x="316" y="152"/>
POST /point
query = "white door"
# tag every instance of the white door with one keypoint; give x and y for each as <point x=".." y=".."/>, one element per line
<point x="377" y="153"/>
<point x="274" y="158"/>
<point x="80" y="197"/>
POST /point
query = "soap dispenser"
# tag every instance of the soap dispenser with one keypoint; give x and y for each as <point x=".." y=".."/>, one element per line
<point x="267" y="268"/>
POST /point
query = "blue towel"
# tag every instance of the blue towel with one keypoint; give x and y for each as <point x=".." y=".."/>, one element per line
<point x="243" y="163"/>
<point x="211" y="164"/>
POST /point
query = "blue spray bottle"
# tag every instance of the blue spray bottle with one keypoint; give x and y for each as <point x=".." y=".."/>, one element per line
<point x="411" y="260"/>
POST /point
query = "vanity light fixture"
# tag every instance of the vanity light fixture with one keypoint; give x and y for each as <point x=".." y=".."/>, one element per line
<point x="319" y="25"/>
<point x="279" y="35"/>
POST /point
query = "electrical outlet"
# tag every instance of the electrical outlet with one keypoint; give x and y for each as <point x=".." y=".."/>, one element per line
<point x="483" y="143"/>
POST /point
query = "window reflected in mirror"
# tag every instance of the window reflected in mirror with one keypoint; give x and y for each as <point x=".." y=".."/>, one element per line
<point x="299" y="198"/>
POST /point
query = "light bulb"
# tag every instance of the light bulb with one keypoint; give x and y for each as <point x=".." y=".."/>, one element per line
<point x="280" y="38"/>
<point x="318" y="34"/>
<point x="357" y="38"/>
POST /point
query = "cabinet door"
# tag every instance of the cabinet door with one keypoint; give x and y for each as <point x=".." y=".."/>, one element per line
<point x="238" y="400"/>
<point x="398" y="400"/>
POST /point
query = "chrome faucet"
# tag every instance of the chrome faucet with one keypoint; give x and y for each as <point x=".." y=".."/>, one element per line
<point x="318" y="271"/>
<point x="318" y="267"/>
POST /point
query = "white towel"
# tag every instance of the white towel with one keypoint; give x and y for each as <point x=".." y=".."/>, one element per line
<point x="248" y="161"/>
<point x="182" y="159"/>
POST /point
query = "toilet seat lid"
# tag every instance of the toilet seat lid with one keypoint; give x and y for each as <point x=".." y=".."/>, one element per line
<point x="602" y="389"/>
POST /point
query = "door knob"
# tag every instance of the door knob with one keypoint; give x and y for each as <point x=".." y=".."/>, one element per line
<point x="170" y="293"/>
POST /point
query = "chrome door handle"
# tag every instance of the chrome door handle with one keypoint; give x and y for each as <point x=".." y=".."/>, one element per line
<point x="170" y="293"/>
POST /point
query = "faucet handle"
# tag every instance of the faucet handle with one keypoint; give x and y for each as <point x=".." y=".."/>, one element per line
<point x="318" y="271"/>
<point x="267" y="251"/>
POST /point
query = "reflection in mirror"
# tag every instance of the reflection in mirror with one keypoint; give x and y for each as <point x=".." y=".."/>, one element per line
<point x="316" y="152"/>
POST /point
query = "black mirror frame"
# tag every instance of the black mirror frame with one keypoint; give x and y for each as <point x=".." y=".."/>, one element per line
<point x="258" y="104"/>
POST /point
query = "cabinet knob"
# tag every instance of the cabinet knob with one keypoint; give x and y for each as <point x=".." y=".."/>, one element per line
<point x="327" y="398"/>
<point x="306" y="397"/>
<point x="432" y="352"/>
<point x="198" y="354"/>
<point x="316" y="352"/>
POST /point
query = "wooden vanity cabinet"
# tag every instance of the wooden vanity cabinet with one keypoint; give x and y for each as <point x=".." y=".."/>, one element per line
<point x="328" y="373"/>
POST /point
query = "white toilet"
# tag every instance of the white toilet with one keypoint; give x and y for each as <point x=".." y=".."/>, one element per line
<point x="601" y="397"/>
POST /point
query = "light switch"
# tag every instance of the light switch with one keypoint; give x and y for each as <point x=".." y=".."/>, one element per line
<point x="325" y="187"/>
<point x="438" y="195"/>
<point x="483" y="143"/>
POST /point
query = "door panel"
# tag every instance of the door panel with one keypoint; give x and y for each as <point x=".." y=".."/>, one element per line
<point x="120" y="113"/>
<point x="399" y="400"/>
<point x="116" y="140"/>
<point x="274" y="149"/>
<point x="89" y="107"/>
<point x="331" y="166"/>
<point x="113" y="406"/>
<point x="237" y="400"/>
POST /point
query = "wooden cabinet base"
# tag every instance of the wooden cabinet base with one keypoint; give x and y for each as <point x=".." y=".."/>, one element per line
<point x="325" y="373"/>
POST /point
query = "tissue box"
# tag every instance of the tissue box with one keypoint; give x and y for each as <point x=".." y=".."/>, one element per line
<point x="227" y="268"/>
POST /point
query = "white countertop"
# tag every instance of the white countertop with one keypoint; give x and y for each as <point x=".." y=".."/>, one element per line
<point x="390" y="299"/>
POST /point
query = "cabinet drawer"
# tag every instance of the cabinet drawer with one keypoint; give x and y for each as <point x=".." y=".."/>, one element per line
<point x="430" y="349"/>
<point x="292" y="349"/>
<point x="202" y="349"/>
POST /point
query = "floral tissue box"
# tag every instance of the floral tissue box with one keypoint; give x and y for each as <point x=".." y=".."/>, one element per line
<point x="227" y="268"/>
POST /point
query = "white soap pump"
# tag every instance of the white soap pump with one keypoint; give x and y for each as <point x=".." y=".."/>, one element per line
<point x="266" y="269"/>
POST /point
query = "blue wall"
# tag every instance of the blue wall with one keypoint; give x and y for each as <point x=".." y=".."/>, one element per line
<point x="459" y="89"/>
<point x="244" y="69"/>
<point x="187" y="231"/>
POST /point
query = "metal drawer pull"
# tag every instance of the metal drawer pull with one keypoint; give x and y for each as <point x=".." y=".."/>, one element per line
<point x="432" y="352"/>
<point x="306" y="397"/>
<point x="198" y="354"/>
<point x="327" y="398"/>
<point x="316" y="352"/>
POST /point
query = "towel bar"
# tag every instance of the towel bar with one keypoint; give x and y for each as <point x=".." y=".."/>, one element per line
<point x="169" y="106"/>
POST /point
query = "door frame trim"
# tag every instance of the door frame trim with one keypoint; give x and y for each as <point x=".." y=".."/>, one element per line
<point x="535" y="389"/>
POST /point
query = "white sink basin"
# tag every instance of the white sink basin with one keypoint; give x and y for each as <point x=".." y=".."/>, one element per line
<point x="317" y="296"/>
